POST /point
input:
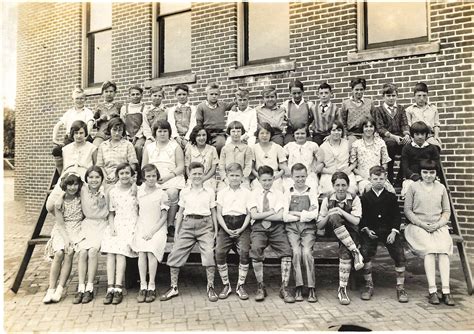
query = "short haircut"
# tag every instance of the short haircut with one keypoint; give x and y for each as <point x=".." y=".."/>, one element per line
<point x="357" y="81"/>
<point x="71" y="178"/>
<point x="116" y="121"/>
<point x="420" y="87"/>
<point x="377" y="170"/>
<point x="242" y="92"/>
<point x="212" y="85"/>
<point x="150" y="168"/>
<point x="181" y="87"/>
<point x="366" y="120"/>
<point x="235" y="125"/>
<point x="76" y="92"/>
<point x="121" y="166"/>
<point x="325" y="85"/>
<point x="419" y="127"/>
<point x="269" y="90"/>
<point x="428" y="165"/>
<point x="389" y="88"/>
<point x="339" y="176"/>
<point x="161" y="124"/>
<point x="338" y="125"/>
<point x="298" y="166"/>
<point x="296" y="83"/>
<point x="194" y="133"/>
<point x="264" y="126"/>
<point x="96" y="169"/>
<point x="76" y="126"/>
<point x="234" y="167"/>
<point x="157" y="89"/>
<point x="108" y="84"/>
<point x="265" y="170"/>
<point x="195" y="165"/>
<point x="135" y="87"/>
<point x="300" y="125"/>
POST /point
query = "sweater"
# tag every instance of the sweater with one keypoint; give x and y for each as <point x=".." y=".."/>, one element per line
<point x="387" y="123"/>
<point x="411" y="157"/>
<point x="380" y="213"/>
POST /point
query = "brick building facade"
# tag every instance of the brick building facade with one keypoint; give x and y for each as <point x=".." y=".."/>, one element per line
<point x="324" y="44"/>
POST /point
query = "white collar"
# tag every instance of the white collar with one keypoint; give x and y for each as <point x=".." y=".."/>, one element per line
<point x="418" y="146"/>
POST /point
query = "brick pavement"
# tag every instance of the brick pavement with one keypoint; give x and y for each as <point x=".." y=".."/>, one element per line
<point x="192" y="311"/>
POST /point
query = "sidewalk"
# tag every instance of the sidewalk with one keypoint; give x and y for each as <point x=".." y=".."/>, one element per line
<point x="192" y="311"/>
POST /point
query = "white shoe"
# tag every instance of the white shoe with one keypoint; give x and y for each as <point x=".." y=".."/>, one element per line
<point x="358" y="260"/>
<point x="57" y="294"/>
<point x="49" y="296"/>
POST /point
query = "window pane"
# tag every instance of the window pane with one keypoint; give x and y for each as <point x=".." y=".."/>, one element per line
<point x="102" y="56"/>
<point x="170" y="7"/>
<point x="269" y="30"/>
<point x="388" y="21"/>
<point x="177" y="42"/>
<point x="100" y="15"/>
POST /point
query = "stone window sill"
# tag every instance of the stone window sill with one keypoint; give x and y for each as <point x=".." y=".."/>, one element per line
<point x="94" y="90"/>
<point x="394" y="52"/>
<point x="249" y="70"/>
<point x="171" y="80"/>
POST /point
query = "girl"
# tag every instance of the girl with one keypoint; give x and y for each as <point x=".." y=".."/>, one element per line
<point x="305" y="152"/>
<point x="94" y="207"/>
<point x="270" y="154"/>
<point x="105" y="111"/>
<point x="200" y="151"/>
<point x="123" y="217"/>
<point x="427" y="208"/>
<point x="168" y="157"/>
<point x="64" y="236"/>
<point x="150" y="232"/>
<point x="335" y="158"/>
<point x="272" y="114"/>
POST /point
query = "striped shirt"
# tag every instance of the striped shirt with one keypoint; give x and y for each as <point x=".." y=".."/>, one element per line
<point x="323" y="121"/>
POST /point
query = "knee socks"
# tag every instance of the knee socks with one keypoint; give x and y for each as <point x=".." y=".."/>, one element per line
<point x="443" y="260"/>
<point x="344" y="271"/>
<point x="224" y="273"/>
<point x="367" y="272"/>
<point x="258" y="270"/>
<point x="243" y="270"/>
<point x="430" y="271"/>
<point x="343" y="235"/>
<point x="210" y="272"/>
<point x="174" y="273"/>
<point x="285" y="270"/>
<point x="400" y="271"/>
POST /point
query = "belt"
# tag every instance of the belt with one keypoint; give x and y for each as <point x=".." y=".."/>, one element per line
<point x="196" y="216"/>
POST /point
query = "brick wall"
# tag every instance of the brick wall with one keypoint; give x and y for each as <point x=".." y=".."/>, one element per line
<point x="321" y="35"/>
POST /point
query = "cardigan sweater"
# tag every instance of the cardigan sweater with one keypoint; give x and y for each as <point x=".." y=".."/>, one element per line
<point x="411" y="157"/>
<point x="388" y="123"/>
<point x="380" y="213"/>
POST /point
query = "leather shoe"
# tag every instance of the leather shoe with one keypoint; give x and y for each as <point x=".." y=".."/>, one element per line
<point x="448" y="299"/>
<point x="312" y="295"/>
<point x="433" y="298"/>
<point x="286" y="295"/>
<point x="367" y="293"/>
<point x="261" y="292"/>
<point x="402" y="295"/>
<point x="299" y="294"/>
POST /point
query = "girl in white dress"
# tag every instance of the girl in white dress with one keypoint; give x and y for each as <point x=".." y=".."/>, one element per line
<point x="150" y="232"/>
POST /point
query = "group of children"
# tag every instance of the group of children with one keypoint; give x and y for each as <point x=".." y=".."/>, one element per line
<point x="273" y="162"/>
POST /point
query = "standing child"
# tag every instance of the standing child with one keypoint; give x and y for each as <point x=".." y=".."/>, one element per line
<point x="195" y="223"/>
<point x="325" y="113"/>
<point x="211" y="115"/>
<point x="64" y="237"/>
<point x="94" y="207"/>
<point x="157" y="111"/>
<point x="266" y="208"/>
<point x="149" y="240"/>
<point x="380" y="223"/>
<point x="272" y="114"/>
<point x="105" y="111"/>
<point x="182" y="116"/>
<point x="132" y="115"/>
<point x="299" y="213"/>
<point x="234" y="219"/>
<point x="123" y="217"/>
<point x="236" y="151"/>
<point x="341" y="212"/>
<point x="297" y="110"/>
<point x="245" y="115"/>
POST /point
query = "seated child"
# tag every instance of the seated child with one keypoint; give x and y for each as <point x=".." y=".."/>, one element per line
<point x="266" y="209"/>
<point x="132" y="115"/>
<point x="182" y="116"/>
<point x="245" y="115"/>
<point x="297" y="110"/>
<point x="325" y="113"/>
<point x="234" y="219"/>
<point x="211" y="115"/>
<point x="105" y="111"/>
<point x="422" y="111"/>
<point x="380" y="223"/>
<point x="414" y="153"/>
<point x="271" y="114"/>
<point x="157" y="111"/>
<point x="299" y="214"/>
<point x="195" y="223"/>
<point x="238" y="152"/>
<point x="341" y="212"/>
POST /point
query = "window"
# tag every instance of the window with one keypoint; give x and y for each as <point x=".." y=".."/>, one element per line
<point x="393" y="23"/>
<point x="264" y="32"/>
<point x="98" y="42"/>
<point x="174" y="38"/>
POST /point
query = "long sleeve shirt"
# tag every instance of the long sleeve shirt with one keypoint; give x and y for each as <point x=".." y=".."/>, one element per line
<point x="391" y="121"/>
<point x="352" y="113"/>
<point x="241" y="154"/>
<point x="182" y="118"/>
<point x="212" y="117"/>
<point x="381" y="213"/>
<point x="305" y="202"/>
<point x="150" y="115"/>
<point x="413" y="154"/>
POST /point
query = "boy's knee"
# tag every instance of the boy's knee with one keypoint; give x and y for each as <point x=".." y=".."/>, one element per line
<point x="308" y="252"/>
<point x="58" y="256"/>
<point x="335" y="221"/>
<point x="221" y="257"/>
<point x="173" y="194"/>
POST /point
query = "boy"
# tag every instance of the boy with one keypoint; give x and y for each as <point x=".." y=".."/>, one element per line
<point x="195" y="223"/>
<point x="77" y="113"/>
<point x="105" y="111"/>
<point x="211" y="115"/>
<point x="425" y="112"/>
<point x="380" y="223"/>
<point x="182" y="116"/>
<point x="297" y="110"/>
<point x="325" y="113"/>
<point x="266" y="208"/>
<point x="132" y="115"/>
<point x="234" y="219"/>
<point x="300" y="212"/>
<point x="392" y="125"/>
<point x="272" y="114"/>
<point x="157" y="111"/>
<point x="342" y="212"/>
<point x="246" y="115"/>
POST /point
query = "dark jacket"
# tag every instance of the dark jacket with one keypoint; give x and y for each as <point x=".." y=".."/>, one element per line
<point x="380" y="214"/>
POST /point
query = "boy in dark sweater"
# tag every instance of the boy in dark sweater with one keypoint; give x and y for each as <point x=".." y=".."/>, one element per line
<point x="380" y="223"/>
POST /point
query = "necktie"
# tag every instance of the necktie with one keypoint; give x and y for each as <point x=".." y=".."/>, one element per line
<point x="323" y="108"/>
<point x="266" y="207"/>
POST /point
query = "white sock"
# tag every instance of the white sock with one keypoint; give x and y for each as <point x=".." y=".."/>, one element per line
<point x="142" y="285"/>
<point x="151" y="286"/>
<point x="111" y="289"/>
<point x="90" y="287"/>
<point x="81" y="288"/>
<point x="118" y="289"/>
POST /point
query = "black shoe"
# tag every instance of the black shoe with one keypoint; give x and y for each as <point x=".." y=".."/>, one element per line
<point x="448" y="299"/>
<point x="88" y="296"/>
<point x="433" y="298"/>
<point x="261" y="292"/>
<point x="172" y="292"/>
<point x="225" y="292"/>
<point x="150" y="296"/>
<point x="211" y="294"/>
<point x="286" y="295"/>
<point x="78" y="298"/>
<point x="141" y="296"/>
<point x="108" y="298"/>
<point x="118" y="297"/>
<point x="312" y="295"/>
